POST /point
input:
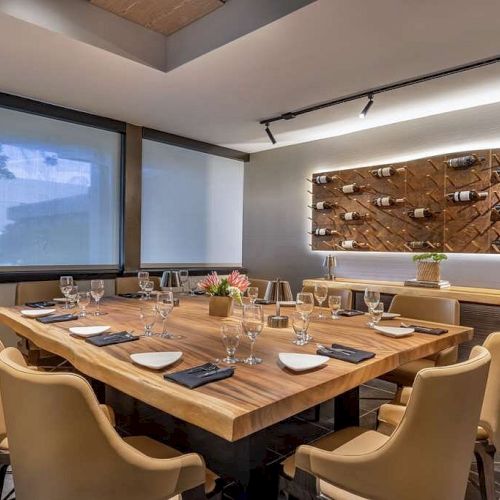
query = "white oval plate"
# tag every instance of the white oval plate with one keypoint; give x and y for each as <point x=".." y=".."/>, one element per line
<point x="394" y="331"/>
<point x="388" y="315"/>
<point x="156" y="360"/>
<point x="301" y="362"/>
<point x="37" y="313"/>
<point x="88" y="331"/>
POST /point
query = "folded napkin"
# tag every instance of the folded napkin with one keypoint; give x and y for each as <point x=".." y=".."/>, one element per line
<point x="130" y="295"/>
<point x="199" y="375"/>
<point x="57" y="319"/>
<point x="427" y="329"/>
<point x="345" y="353"/>
<point x="41" y="304"/>
<point x="262" y="301"/>
<point x="350" y="312"/>
<point x="110" y="339"/>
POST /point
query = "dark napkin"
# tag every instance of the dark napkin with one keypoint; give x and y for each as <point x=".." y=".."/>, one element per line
<point x="356" y="357"/>
<point x="57" y="319"/>
<point x="41" y="304"/>
<point x="111" y="339"/>
<point x="130" y="295"/>
<point x="429" y="330"/>
<point x="350" y="312"/>
<point x="262" y="301"/>
<point x="199" y="375"/>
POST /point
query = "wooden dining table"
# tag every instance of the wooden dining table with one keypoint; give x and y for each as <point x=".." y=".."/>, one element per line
<point x="232" y="412"/>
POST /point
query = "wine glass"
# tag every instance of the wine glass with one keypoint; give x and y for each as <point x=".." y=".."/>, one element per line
<point x="142" y="276"/>
<point x="231" y="333"/>
<point x="305" y="303"/>
<point x="253" y="294"/>
<point x="148" y="286"/>
<point x="320" y="294"/>
<point x="300" y="324"/>
<point x="97" y="292"/>
<point x="183" y="276"/>
<point x="253" y="323"/>
<point x="376" y="314"/>
<point x="149" y="315"/>
<point x="334" y="303"/>
<point x="65" y="282"/>
<point x="83" y="302"/>
<point x="72" y="296"/>
<point x="372" y="298"/>
<point x="164" y="306"/>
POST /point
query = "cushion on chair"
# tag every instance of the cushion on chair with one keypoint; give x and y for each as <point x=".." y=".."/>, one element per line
<point x="405" y="374"/>
<point x="155" y="449"/>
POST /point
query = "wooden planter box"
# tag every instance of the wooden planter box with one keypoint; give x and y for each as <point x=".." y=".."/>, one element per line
<point x="220" y="306"/>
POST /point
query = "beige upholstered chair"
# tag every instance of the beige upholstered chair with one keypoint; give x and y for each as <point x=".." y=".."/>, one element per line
<point x="488" y="430"/>
<point x="345" y="294"/>
<point x="130" y="284"/>
<point x="425" y="309"/>
<point x="260" y="284"/>
<point x="428" y="456"/>
<point x="63" y="447"/>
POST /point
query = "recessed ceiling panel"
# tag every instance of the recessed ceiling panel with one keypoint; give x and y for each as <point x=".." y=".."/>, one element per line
<point x="164" y="16"/>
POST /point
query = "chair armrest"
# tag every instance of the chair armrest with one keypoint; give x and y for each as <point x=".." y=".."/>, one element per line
<point x="405" y="395"/>
<point x="109" y="414"/>
<point x="391" y="414"/>
<point x="447" y="357"/>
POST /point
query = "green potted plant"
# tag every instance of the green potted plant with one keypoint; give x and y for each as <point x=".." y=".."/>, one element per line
<point x="429" y="266"/>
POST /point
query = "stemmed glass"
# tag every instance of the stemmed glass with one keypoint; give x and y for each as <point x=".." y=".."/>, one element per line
<point x="300" y="324"/>
<point x="376" y="314"/>
<point x="253" y="323"/>
<point x="334" y="303"/>
<point x="184" y="276"/>
<point x="231" y="333"/>
<point x="72" y="296"/>
<point x="149" y="315"/>
<point x="147" y="287"/>
<point x="97" y="292"/>
<point x="320" y="294"/>
<point x="164" y="306"/>
<point x="83" y="302"/>
<point x="142" y="276"/>
<point x="253" y="294"/>
<point x="305" y="303"/>
<point x="372" y="298"/>
<point x="65" y="283"/>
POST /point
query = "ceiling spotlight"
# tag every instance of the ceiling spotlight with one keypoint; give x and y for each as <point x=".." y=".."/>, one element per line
<point x="369" y="104"/>
<point x="270" y="134"/>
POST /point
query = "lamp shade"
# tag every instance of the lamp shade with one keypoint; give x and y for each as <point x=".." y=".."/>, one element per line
<point x="278" y="290"/>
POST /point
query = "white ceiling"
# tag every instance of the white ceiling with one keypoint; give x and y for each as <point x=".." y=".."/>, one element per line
<point x="325" y="50"/>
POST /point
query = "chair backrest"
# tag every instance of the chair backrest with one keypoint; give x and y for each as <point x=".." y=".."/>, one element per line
<point x="130" y="284"/>
<point x="434" y="309"/>
<point x="344" y="293"/>
<point x="490" y="413"/>
<point x="3" y="429"/>
<point x="260" y="284"/>
<point x="32" y="291"/>
<point x="61" y="444"/>
<point x="429" y="453"/>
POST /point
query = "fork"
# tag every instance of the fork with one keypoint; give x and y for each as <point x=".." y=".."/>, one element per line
<point x="335" y="349"/>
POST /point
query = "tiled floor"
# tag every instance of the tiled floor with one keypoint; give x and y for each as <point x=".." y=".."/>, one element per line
<point x="305" y="429"/>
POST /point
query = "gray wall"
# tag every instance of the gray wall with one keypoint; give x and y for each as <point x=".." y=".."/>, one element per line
<point x="275" y="239"/>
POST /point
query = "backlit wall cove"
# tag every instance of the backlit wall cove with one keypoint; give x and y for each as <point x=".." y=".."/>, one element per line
<point x="448" y="203"/>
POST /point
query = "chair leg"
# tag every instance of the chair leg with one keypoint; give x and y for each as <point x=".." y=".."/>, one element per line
<point x="303" y="486"/>
<point x="485" y="457"/>
<point x="197" y="493"/>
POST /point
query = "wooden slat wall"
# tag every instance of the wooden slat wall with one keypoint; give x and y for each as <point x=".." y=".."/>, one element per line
<point x="164" y="16"/>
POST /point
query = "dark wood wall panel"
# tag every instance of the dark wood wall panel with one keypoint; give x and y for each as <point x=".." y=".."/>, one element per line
<point x="463" y="227"/>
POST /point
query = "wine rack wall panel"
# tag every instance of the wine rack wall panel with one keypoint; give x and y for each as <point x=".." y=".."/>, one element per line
<point x="448" y="203"/>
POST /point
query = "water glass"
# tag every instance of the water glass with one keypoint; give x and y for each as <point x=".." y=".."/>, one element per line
<point x="97" y="292"/>
<point x="65" y="282"/>
<point x="231" y="333"/>
<point x="320" y="294"/>
<point x="376" y="314"/>
<point x="148" y="286"/>
<point x="72" y="295"/>
<point x="334" y="303"/>
<point x="253" y="323"/>
<point x="300" y="324"/>
<point x="305" y="303"/>
<point x="252" y="294"/>
<point x="149" y="315"/>
<point x="372" y="298"/>
<point x="184" y="277"/>
<point x="164" y="306"/>
<point x="83" y="302"/>
<point x="142" y="276"/>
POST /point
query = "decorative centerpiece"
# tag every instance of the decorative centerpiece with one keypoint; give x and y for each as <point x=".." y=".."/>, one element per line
<point x="429" y="270"/>
<point x="223" y="292"/>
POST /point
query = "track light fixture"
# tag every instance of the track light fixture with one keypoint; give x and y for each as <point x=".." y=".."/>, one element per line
<point x="270" y="134"/>
<point x="369" y="104"/>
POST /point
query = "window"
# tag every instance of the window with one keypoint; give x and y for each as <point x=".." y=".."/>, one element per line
<point x="192" y="207"/>
<point x="59" y="193"/>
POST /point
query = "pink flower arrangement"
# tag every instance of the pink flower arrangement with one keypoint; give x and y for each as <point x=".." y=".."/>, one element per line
<point x="232" y="286"/>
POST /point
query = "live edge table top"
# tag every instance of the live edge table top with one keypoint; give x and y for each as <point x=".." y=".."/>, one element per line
<point x="256" y="396"/>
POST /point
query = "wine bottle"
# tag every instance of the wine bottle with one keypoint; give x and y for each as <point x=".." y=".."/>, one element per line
<point x="464" y="196"/>
<point x="323" y="231"/>
<point x="348" y="216"/>
<point x="463" y="161"/>
<point x="323" y="205"/>
<point x="419" y="213"/>
<point x="323" y="179"/>
<point x="422" y="245"/>
<point x="352" y="245"/>
<point x="496" y="242"/>
<point x="386" y="201"/>
<point x="352" y="188"/>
